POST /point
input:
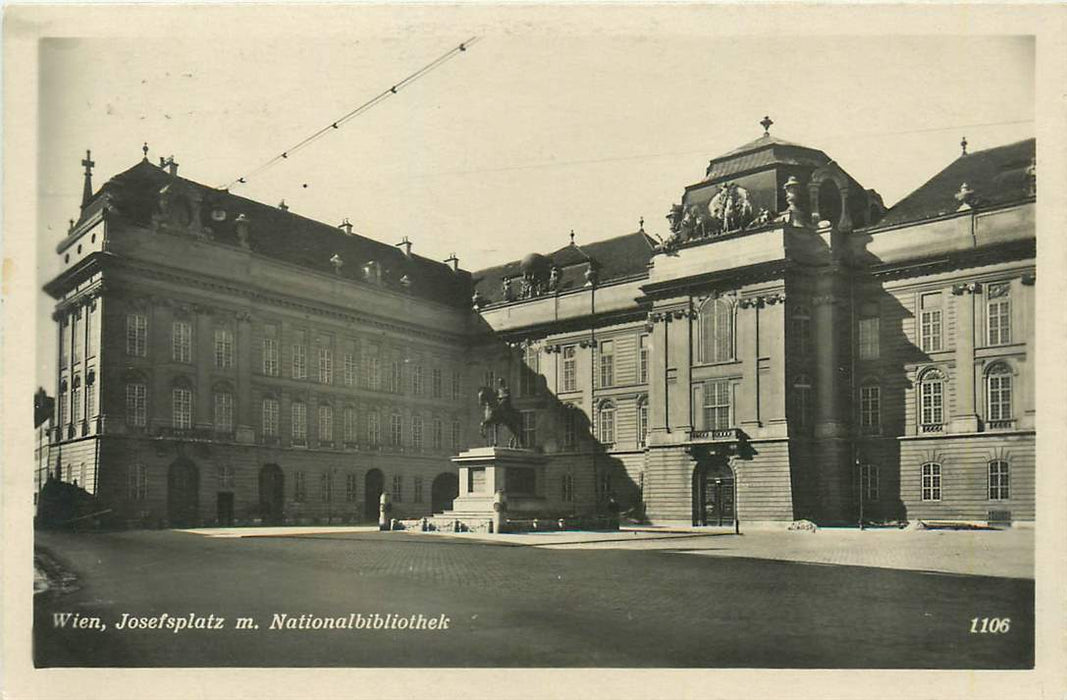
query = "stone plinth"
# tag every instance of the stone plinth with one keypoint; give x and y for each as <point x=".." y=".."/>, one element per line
<point x="518" y="473"/>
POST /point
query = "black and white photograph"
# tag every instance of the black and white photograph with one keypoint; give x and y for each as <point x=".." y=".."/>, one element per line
<point x="690" y="339"/>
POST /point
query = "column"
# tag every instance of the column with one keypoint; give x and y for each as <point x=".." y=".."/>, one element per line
<point x="748" y="352"/>
<point x="679" y="370"/>
<point x="204" y="359"/>
<point x="771" y="340"/>
<point x="965" y="418"/>
<point x="657" y="379"/>
<point x="828" y="384"/>
<point x="243" y="388"/>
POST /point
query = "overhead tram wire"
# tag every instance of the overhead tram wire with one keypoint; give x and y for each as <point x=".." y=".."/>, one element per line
<point x="338" y="123"/>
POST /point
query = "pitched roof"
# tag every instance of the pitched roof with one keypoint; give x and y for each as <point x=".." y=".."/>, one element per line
<point x="997" y="176"/>
<point x="283" y="235"/>
<point x="614" y="258"/>
<point x="765" y="151"/>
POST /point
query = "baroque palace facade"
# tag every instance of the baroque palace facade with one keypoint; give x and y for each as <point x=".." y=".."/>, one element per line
<point x="791" y="349"/>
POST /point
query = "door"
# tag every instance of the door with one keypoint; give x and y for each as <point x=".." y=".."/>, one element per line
<point x="271" y="494"/>
<point x="224" y="508"/>
<point x="713" y="494"/>
<point x="183" y="501"/>
<point x="444" y="490"/>
<point x="373" y="484"/>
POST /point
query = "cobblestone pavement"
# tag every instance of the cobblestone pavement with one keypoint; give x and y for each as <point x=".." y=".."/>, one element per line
<point x="512" y="604"/>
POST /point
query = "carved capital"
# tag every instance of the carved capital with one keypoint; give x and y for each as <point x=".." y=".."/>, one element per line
<point x="825" y="300"/>
<point x="966" y="288"/>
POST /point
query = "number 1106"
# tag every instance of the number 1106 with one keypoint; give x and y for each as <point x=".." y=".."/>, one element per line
<point x="990" y="625"/>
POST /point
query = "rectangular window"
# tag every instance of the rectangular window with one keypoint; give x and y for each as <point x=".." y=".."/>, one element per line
<point x="456" y="386"/>
<point x="181" y="347"/>
<point x="642" y="358"/>
<point x="931" y="482"/>
<point x="416" y="432"/>
<point x="869" y="482"/>
<point x="223" y="348"/>
<point x="225" y="477"/>
<point x="351" y="425"/>
<point x="870" y="407"/>
<point x="868" y="338"/>
<point x="137" y="482"/>
<point x="932" y="403"/>
<point x="998" y="314"/>
<point x="416" y="380"/>
<point x="436" y="383"/>
<point x="456" y="437"/>
<point x="396" y="430"/>
<point x="350" y="369"/>
<point x="802" y="332"/>
<point x="270" y="417"/>
<point x="326" y="486"/>
<point x="374" y="428"/>
<point x="418" y="489"/>
<point x="396" y="377"/>
<point x="350" y="487"/>
<point x="529" y="428"/>
<point x="570" y="369"/>
<point x="137" y="335"/>
<point x="930" y="322"/>
<point x="300" y="355"/>
<point x="372" y="377"/>
<point x="999" y="486"/>
<point x="325" y="365"/>
<point x="64" y="342"/>
<point x="606" y="423"/>
<point x="607" y="363"/>
<point x="570" y="425"/>
<point x="325" y="422"/>
<point x="529" y="371"/>
<point x="299" y="411"/>
<point x="567" y="488"/>
<point x="398" y="488"/>
<point x="270" y="357"/>
<point x="300" y="487"/>
<point x="90" y="401"/>
<point x="181" y="408"/>
<point x="717" y="405"/>
<point x="999" y="397"/>
<point x="438" y="434"/>
<point x="62" y="410"/>
<point x="223" y="411"/>
<point x="76" y="403"/>
<point x="90" y="332"/>
<point x="642" y="423"/>
<point x="77" y="334"/>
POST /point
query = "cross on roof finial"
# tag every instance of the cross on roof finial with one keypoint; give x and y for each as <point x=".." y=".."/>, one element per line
<point x="144" y="149"/>
<point x="766" y="124"/>
<point x="641" y="223"/>
<point x="963" y="146"/>
<point x="87" y="188"/>
<point x="572" y="236"/>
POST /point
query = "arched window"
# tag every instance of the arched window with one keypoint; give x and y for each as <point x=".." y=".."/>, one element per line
<point x="181" y="404"/>
<point x="606" y="422"/>
<point x="802" y="400"/>
<point x="801" y="321"/>
<point x="717" y="331"/>
<point x="931" y="481"/>
<point x="642" y="421"/>
<point x="998" y="395"/>
<point x="870" y="406"/>
<point x="999" y="480"/>
<point x="931" y="401"/>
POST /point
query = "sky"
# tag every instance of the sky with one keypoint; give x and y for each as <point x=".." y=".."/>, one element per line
<point x="527" y="135"/>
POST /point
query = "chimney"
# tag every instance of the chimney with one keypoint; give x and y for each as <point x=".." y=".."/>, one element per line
<point x="453" y="262"/>
<point x="346" y="226"/>
<point x="405" y="245"/>
<point x="170" y="164"/>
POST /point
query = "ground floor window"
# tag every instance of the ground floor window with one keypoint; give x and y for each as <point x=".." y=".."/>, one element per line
<point x="931" y="482"/>
<point x="137" y="482"/>
<point x="567" y="487"/>
<point x="300" y="489"/>
<point x="398" y="488"/>
<point x="418" y="489"/>
<point x="999" y="477"/>
<point x="350" y="487"/>
<point x="869" y="482"/>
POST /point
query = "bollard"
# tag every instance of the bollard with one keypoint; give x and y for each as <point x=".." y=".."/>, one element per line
<point x="500" y="509"/>
<point x="385" y="506"/>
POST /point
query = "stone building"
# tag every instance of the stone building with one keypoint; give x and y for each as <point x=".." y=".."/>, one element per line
<point x="791" y="349"/>
<point x="224" y="361"/>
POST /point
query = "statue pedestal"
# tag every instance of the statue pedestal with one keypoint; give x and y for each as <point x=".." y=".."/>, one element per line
<point x="518" y="473"/>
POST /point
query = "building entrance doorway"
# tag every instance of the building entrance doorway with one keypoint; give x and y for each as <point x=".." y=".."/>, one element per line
<point x="183" y="494"/>
<point x="713" y="493"/>
<point x="444" y="490"/>
<point x="373" y="483"/>
<point x="271" y="494"/>
<point x="224" y="508"/>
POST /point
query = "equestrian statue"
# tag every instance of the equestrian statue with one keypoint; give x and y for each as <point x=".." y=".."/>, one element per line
<point x="496" y="411"/>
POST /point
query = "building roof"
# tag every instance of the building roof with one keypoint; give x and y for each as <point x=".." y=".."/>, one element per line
<point x="614" y="258"/>
<point x="759" y="153"/>
<point x="278" y="233"/>
<point x="996" y="175"/>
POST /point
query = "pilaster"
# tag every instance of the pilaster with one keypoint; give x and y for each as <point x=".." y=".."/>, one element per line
<point x="965" y="418"/>
<point x="828" y="314"/>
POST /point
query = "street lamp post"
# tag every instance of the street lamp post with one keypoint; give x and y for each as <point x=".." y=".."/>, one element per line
<point x="859" y="469"/>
